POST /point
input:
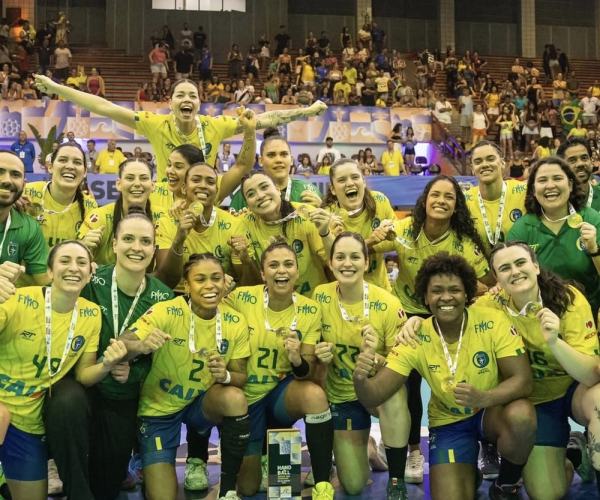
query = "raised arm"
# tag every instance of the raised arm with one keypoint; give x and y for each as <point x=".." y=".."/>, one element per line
<point x="282" y="117"/>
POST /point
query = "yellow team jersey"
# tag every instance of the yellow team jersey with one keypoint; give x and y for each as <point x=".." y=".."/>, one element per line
<point x="104" y="216"/>
<point x="513" y="210"/>
<point x="61" y="225"/>
<point x="214" y="239"/>
<point x="108" y="162"/>
<point x="178" y="376"/>
<point x="164" y="137"/>
<point x="488" y="336"/>
<point x="386" y="315"/>
<point x="364" y="226"/>
<point x="550" y="380"/>
<point x="412" y="258"/>
<point x="24" y="377"/>
<point x="268" y="363"/>
<point x="301" y="234"/>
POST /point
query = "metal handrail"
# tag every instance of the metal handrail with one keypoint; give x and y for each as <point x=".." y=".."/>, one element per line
<point x="448" y="144"/>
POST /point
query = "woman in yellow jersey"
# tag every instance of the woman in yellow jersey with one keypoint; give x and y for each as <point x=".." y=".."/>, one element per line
<point x="353" y="309"/>
<point x="202" y="228"/>
<point x="98" y="229"/>
<point x="475" y="364"/>
<point x="183" y="125"/>
<point x="303" y="227"/>
<point x="198" y="370"/>
<point x="360" y="210"/>
<point x="325" y="167"/>
<point x="285" y="328"/>
<point x="60" y="205"/>
<point x="578" y="131"/>
<point x="46" y="332"/>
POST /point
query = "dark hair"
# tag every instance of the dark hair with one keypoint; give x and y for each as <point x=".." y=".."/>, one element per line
<point x="331" y="199"/>
<point x="136" y="213"/>
<point x="276" y="242"/>
<point x="452" y="265"/>
<point x="199" y="164"/>
<point x="79" y="190"/>
<point x="286" y="207"/>
<point x="460" y="222"/>
<point x="355" y="236"/>
<point x="54" y="250"/>
<point x="270" y="138"/>
<point x="555" y="292"/>
<point x="179" y="82"/>
<point x="544" y="141"/>
<point x="570" y="143"/>
<point x="485" y="142"/>
<point x="118" y="210"/>
<point x="397" y="127"/>
<point x="12" y="153"/>
<point x="190" y="153"/>
<point x="576" y="198"/>
<point x="196" y="258"/>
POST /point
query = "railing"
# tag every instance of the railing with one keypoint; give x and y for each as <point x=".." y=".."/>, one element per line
<point x="448" y="145"/>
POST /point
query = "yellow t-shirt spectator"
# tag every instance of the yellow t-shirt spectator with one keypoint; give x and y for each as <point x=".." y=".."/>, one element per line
<point x="382" y="84"/>
<point x="344" y="87"/>
<point x="351" y="75"/>
<point x="108" y="161"/>
<point x="393" y="163"/>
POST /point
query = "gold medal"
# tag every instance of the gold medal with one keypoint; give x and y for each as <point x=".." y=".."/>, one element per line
<point x="342" y="213"/>
<point x="533" y="308"/>
<point x="303" y="210"/>
<point x="574" y="220"/>
<point x="204" y="353"/>
<point x="282" y="332"/>
<point x="448" y="384"/>
<point x="391" y="236"/>
<point x="197" y="208"/>
<point x="35" y="210"/>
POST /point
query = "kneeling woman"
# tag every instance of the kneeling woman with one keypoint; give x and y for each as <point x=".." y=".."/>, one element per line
<point x="479" y="376"/>
<point x="351" y="308"/>
<point x="285" y="329"/>
<point x="62" y="334"/>
<point x="198" y="370"/>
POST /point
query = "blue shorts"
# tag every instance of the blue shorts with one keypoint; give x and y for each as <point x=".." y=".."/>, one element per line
<point x="456" y="443"/>
<point x="552" y="420"/>
<point x="350" y="416"/>
<point x="24" y="455"/>
<point x="160" y="436"/>
<point x="270" y="409"/>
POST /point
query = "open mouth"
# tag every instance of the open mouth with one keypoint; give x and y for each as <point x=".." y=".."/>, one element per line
<point x="201" y="195"/>
<point x="5" y="191"/>
<point x="136" y="192"/>
<point x="440" y="209"/>
<point x="72" y="279"/>
<point x="347" y="272"/>
<point x="551" y="196"/>
<point x="446" y="308"/>
<point x="352" y="194"/>
<point x="187" y="110"/>
<point x="136" y="257"/>
<point x="68" y="176"/>
<point x="282" y="281"/>
<point x="264" y="203"/>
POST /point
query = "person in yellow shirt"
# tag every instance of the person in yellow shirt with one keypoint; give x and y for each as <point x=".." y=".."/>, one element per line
<point x="109" y="159"/>
<point x="392" y="161"/>
<point x="350" y="73"/>
<point x="475" y="364"/>
<point x="198" y="370"/>
<point x="37" y="323"/>
<point x="352" y="310"/>
<point x="344" y="86"/>
<point x="98" y="229"/>
<point x="183" y="125"/>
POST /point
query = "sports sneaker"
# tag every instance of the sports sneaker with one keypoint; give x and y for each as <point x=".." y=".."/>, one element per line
<point x="55" y="485"/>
<point x="264" y="482"/>
<point x="4" y="491"/>
<point x="135" y="468"/>
<point x="490" y="462"/>
<point x="375" y="460"/>
<point x="585" y="470"/>
<point x="196" y="475"/>
<point x="396" y="490"/>
<point x="323" y="491"/>
<point x="415" y="464"/>
<point x="309" y="480"/>
<point x="129" y="483"/>
<point x="230" y="495"/>
<point x="507" y="492"/>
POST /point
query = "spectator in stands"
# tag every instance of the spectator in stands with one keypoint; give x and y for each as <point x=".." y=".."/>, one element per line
<point x="226" y="96"/>
<point x="62" y="61"/>
<point x="325" y="166"/>
<point x="564" y="62"/>
<point x="326" y="95"/>
<point x="226" y="159"/>
<point x="559" y="86"/>
<point x="421" y="99"/>
<point x="199" y="42"/>
<point x="27" y="92"/>
<point x="44" y="57"/>
<point x="339" y="99"/>
<point x="13" y="93"/>
<point x="142" y="93"/>
<point x="282" y="41"/>
<point x="214" y="89"/>
<point x="62" y="29"/>
<point x="391" y="267"/>
<point x="252" y="65"/>
<point x="590" y="105"/>
<point x="25" y="151"/>
<point x="244" y="93"/>
<point x="443" y="110"/>
<point x="168" y="38"/>
<point x="409" y="148"/>
<point x="74" y="80"/>
<point x="382" y="82"/>
<point x="235" y="59"/>
<point x="333" y="153"/>
<point x="324" y="45"/>
<point x="284" y="63"/>
<point x="95" y="84"/>
<point x="91" y="156"/>
<point x="348" y="54"/>
<point x="465" y="108"/>
<point x="48" y="159"/>
<point x="155" y="39"/>
<point x="530" y="72"/>
<point x="517" y="73"/>
<point x="304" y="97"/>
<point x="165" y="90"/>
<point x="263" y="98"/>
<point x="535" y="92"/>
<point x="187" y="36"/>
<point x="451" y="68"/>
<point x="343" y="86"/>
<point x="546" y="63"/>
<point x="335" y="75"/>
<point x="370" y="163"/>
<point x="368" y="93"/>
<point x="479" y="124"/>
<point x="265" y="52"/>
<point x="573" y="84"/>
<point x="289" y="98"/>
<point x="547" y="119"/>
<point x="362" y="53"/>
<point x="137" y="153"/>
<point x="184" y="62"/>
<point x="4" y="30"/>
<point x="392" y="161"/>
<point x="595" y="88"/>
<point x="377" y="37"/>
<point x="158" y="62"/>
<point x="531" y="126"/>
<point x="350" y="73"/>
<point x="109" y="159"/>
<point x="205" y="65"/>
<point x="578" y="131"/>
<point x="506" y="123"/>
<point x="345" y="38"/>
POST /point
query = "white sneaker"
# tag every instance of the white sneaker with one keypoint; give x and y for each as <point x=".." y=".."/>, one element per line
<point x="231" y="495"/>
<point x="415" y="463"/>
<point x="55" y="485"/>
<point x="265" y="474"/>
<point x="375" y="460"/>
<point x="196" y="475"/>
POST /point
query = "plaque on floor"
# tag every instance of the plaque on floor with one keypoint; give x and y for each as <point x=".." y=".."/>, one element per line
<point x="284" y="464"/>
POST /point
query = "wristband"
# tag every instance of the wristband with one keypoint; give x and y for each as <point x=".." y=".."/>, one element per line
<point x="227" y="379"/>
<point x="301" y="370"/>
<point x="178" y="254"/>
<point x="326" y="234"/>
<point x="595" y="254"/>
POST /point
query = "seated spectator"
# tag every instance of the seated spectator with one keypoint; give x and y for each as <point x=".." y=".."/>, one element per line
<point x="289" y="98"/>
<point x="340" y="98"/>
<point x="578" y="131"/>
<point x="368" y="93"/>
<point x="362" y="53"/>
<point x="335" y="75"/>
<point x="263" y="98"/>
<point x="95" y="84"/>
<point x="155" y="93"/>
<point x="304" y="167"/>
<point x="408" y="100"/>
<point x="27" y="92"/>
<point x="325" y="166"/>
<point x="214" y="89"/>
<point x="284" y="63"/>
<point x="142" y="93"/>
<point x="370" y="160"/>
<point x="226" y="96"/>
<point x="252" y="64"/>
<point x="304" y="97"/>
<point x="272" y="88"/>
<point x="343" y="87"/>
<point x="326" y="95"/>
<point x="244" y="93"/>
<point x="350" y="73"/>
<point x="13" y="93"/>
<point x="322" y="72"/>
<point x="348" y="53"/>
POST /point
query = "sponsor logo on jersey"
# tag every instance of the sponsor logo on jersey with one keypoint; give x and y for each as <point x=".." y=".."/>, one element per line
<point x="513" y="331"/>
<point x="12" y="248"/>
<point x="476" y="251"/>
<point x="231" y="318"/>
<point x="378" y="306"/>
<point x="375" y="224"/>
<point x="519" y="188"/>
<point x="27" y="335"/>
<point x="77" y="343"/>
<point x="298" y="246"/>
<point x="424" y="337"/>
<point x="589" y="324"/>
<point x="307" y="309"/>
<point x="88" y="312"/>
<point x="94" y="217"/>
<point x="484" y="326"/>
<point x="434" y="368"/>
<point x="322" y="297"/>
<point x="481" y="359"/>
<point x="158" y="295"/>
<point x="97" y="280"/>
<point x="173" y="311"/>
<point x="179" y="342"/>
<point x="149" y="311"/>
<point x="224" y="347"/>
<point x="515" y="215"/>
<point x="247" y="297"/>
<point x="28" y="301"/>
<point x="223" y="225"/>
<point x="401" y="313"/>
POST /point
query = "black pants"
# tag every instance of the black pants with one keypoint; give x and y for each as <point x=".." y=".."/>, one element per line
<point x="415" y="407"/>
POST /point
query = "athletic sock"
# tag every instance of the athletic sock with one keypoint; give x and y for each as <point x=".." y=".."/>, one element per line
<point x="319" y="439"/>
<point x="235" y="434"/>
<point x="574" y="456"/>
<point x="396" y="460"/>
<point x="510" y="473"/>
<point x="597" y="472"/>
<point x="198" y="445"/>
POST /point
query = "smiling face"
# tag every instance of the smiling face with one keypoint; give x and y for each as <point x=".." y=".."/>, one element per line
<point x="441" y="200"/>
<point x="135" y="182"/>
<point x="68" y="168"/>
<point x="515" y="270"/>
<point x="185" y="102"/>
<point x="177" y="166"/>
<point x="579" y="161"/>
<point x="348" y="262"/>
<point x="205" y="282"/>
<point x="348" y="185"/>
<point x="280" y="271"/>
<point x="12" y="179"/>
<point x="70" y="269"/>
<point x="276" y="160"/>
<point x="201" y="185"/>
<point x="134" y="244"/>
<point x="446" y="297"/>
<point x="552" y="187"/>
<point x="261" y="195"/>
<point x="487" y="164"/>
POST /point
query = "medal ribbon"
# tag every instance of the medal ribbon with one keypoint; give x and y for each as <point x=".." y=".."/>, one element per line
<point x="48" y="315"/>
<point x="408" y="244"/>
<point x="590" y="196"/>
<point x="266" y="302"/>
<point x="51" y="212"/>
<point x="115" y="304"/>
<point x="366" y="304"/>
<point x="219" y="332"/>
<point x="200" y="135"/>
<point x="523" y="312"/>
<point x="6" y="228"/>
<point x="211" y="220"/>
<point x="451" y="365"/>
<point x="488" y="230"/>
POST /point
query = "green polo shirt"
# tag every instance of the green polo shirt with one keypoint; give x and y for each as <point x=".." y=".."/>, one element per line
<point x="298" y="186"/>
<point x="563" y="253"/>
<point x="25" y="243"/>
<point x="595" y="197"/>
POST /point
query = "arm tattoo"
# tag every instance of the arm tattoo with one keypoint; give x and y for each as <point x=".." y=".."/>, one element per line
<point x="238" y="365"/>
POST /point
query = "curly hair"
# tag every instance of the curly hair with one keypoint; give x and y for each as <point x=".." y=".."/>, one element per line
<point x="276" y="242"/>
<point x="557" y="293"/>
<point x="576" y="198"/>
<point x="445" y="264"/>
<point x="460" y="222"/>
<point x="330" y="199"/>
<point x="572" y="142"/>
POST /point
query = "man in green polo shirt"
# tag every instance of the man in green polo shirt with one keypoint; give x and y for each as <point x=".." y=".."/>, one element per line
<point x="21" y="240"/>
<point x="577" y="153"/>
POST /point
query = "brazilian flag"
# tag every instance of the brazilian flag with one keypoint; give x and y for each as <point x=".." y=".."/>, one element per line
<point x="569" y="115"/>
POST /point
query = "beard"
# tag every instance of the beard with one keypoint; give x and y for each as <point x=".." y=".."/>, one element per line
<point x="10" y="202"/>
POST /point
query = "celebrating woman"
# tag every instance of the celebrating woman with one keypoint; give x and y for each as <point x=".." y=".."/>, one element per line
<point x="468" y="369"/>
<point x="354" y="313"/>
<point x="560" y="229"/>
<point x="198" y="369"/>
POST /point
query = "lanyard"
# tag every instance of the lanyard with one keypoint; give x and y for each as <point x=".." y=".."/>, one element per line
<point x="529" y="309"/>
<point x="200" y="135"/>
<point x="219" y="332"/>
<point x="6" y="228"/>
<point x="366" y="305"/>
<point x="115" y="303"/>
<point x="488" y="230"/>
<point x="211" y="220"/>
<point x="50" y="212"/>
<point x="451" y="365"/>
<point x="409" y="244"/>
<point x="571" y="212"/>
<point x="302" y="210"/>
<point x="288" y="190"/>
<point x="279" y="331"/>
<point x="590" y="196"/>
<point x="48" y="314"/>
